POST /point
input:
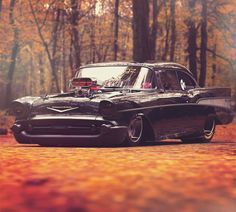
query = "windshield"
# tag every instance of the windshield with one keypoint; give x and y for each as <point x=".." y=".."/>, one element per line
<point x="119" y="76"/>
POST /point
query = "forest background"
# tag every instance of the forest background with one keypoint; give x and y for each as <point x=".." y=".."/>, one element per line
<point x="43" y="42"/>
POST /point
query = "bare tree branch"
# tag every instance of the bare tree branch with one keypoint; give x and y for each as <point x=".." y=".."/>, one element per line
<point x="46" y="47"/>
<point x="230" y="62"/>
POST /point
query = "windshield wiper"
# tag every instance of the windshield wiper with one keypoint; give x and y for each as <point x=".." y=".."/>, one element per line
<point x="112" y="87"/>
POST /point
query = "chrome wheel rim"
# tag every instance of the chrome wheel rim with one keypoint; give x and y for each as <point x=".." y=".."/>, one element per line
<point x="135" y="129"/>
<point x="209" y="129"/>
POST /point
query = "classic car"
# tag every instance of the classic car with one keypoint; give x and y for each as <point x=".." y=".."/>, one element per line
<point x="123" y="103"/>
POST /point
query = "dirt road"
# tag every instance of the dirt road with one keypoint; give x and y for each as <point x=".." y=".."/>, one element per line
<point x="165" y="177"/>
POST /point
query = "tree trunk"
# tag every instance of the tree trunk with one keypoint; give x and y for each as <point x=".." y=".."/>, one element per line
<point x="125" y="40"/>
<point x="75" y="48"/>
<point x="203" y="48"/>
<point x="64" y="52"/>
<point x="234" y="84"/>
<point x="0" y="8"/>
<point x="55" y="83"/>
<point x="14" y="52"/>
<point x="192" y="39"/>
<point x="116" y="28"/>
<point x="92" y="37"/>
<point x="173" y="30"/>
<point x="153" y="35"/>
<point x="214" y="62"/>
<point x="167" y="29"/>
<point x="141" y="31"/>
<point x="41" y="73"/>
<point x="32" y="81"/>
<point x="11" y="70"/>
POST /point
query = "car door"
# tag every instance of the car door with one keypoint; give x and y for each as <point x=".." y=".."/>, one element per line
<point x="168" y="118"/>
<point x="194" y="116"/>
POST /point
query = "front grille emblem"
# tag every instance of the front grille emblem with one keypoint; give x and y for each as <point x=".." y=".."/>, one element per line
<point x="62" y="109"/>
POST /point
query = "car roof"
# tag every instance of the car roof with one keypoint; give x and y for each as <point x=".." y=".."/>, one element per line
<point x="165" y="65"/>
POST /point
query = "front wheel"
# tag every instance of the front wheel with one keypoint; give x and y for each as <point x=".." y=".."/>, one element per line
<point x="207" y="135"/>
<point x="135" y="131"/>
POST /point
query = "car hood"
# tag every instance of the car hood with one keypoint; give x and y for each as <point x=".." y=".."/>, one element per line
<point x="66" y="104"/>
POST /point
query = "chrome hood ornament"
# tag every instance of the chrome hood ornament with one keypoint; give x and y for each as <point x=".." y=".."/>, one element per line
<point x="62" y="109"/>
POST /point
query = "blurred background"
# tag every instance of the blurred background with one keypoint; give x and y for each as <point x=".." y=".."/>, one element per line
<point x="44" y="42"/>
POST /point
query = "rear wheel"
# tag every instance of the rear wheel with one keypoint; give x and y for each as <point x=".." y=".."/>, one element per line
<point x="207" y="135"/>
<point x="135" y="131"/>
<point x="209" y="130"/>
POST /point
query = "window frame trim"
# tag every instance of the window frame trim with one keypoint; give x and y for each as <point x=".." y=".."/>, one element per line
<point x="196" y="84"/>
<point x="158" y="74"/>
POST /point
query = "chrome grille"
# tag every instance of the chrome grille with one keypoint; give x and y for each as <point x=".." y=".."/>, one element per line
<point x="63" y="127"/>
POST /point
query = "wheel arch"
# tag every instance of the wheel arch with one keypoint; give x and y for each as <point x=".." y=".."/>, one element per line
<point x="211" y="113"/>
<point x="148" y="129"/>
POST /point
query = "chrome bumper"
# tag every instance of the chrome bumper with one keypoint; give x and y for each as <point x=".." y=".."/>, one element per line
<point x="107" y="133"/>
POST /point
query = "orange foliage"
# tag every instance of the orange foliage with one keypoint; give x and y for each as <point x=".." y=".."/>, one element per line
<point x="33" y="75"/>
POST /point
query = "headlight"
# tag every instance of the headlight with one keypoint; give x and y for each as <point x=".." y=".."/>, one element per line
<point x="19" y="110"/>
<point x="107" y="109"/>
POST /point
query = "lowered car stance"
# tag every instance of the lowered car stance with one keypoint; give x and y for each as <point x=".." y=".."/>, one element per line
<point x="123" y="104"/>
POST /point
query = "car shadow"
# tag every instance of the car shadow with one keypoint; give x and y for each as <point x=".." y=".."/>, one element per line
<point x="157" y="143"/>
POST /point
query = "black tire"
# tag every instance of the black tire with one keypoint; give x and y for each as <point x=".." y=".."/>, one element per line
<point x="135" y="131"/>
<point x="207" y="134"/>
<point x="209" y="130"/>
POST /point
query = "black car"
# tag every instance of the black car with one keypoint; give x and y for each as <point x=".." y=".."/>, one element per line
<point x="123" y="103"/>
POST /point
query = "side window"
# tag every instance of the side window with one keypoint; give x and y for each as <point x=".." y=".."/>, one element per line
<point x="186" y="82"/>
<point x="145" y="79"/>
<point x="169" y="80"/>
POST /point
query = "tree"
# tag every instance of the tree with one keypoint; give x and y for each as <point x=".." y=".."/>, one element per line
<point x="153" y="30"/>
<point x="50" y="39"/>
<point x="141" y="51"/>
<point x="167" y="32"/>
<point x="74" y="45"/>
<point x="55" y="34"/>
<point x="14" y="52"/>
<point x="92" y="36"/>
<point x="214" y="59"/>
<point x="0" y="8"/>
<point x="173" y="30"/>
<point x="116" y="28"/>
<point x="192" y="38"/>
<point x="203" y="48"/>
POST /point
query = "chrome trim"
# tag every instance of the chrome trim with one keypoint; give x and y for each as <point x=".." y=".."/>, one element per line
<point x="66" y="117"/>
<point x="78" y="117"/>
<point x="159" y="106"/>
<point x="104" y="130"/>
<point x="61" y="110"/>
<point x="171" y="105"/>
<point x="224" y="102"/>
